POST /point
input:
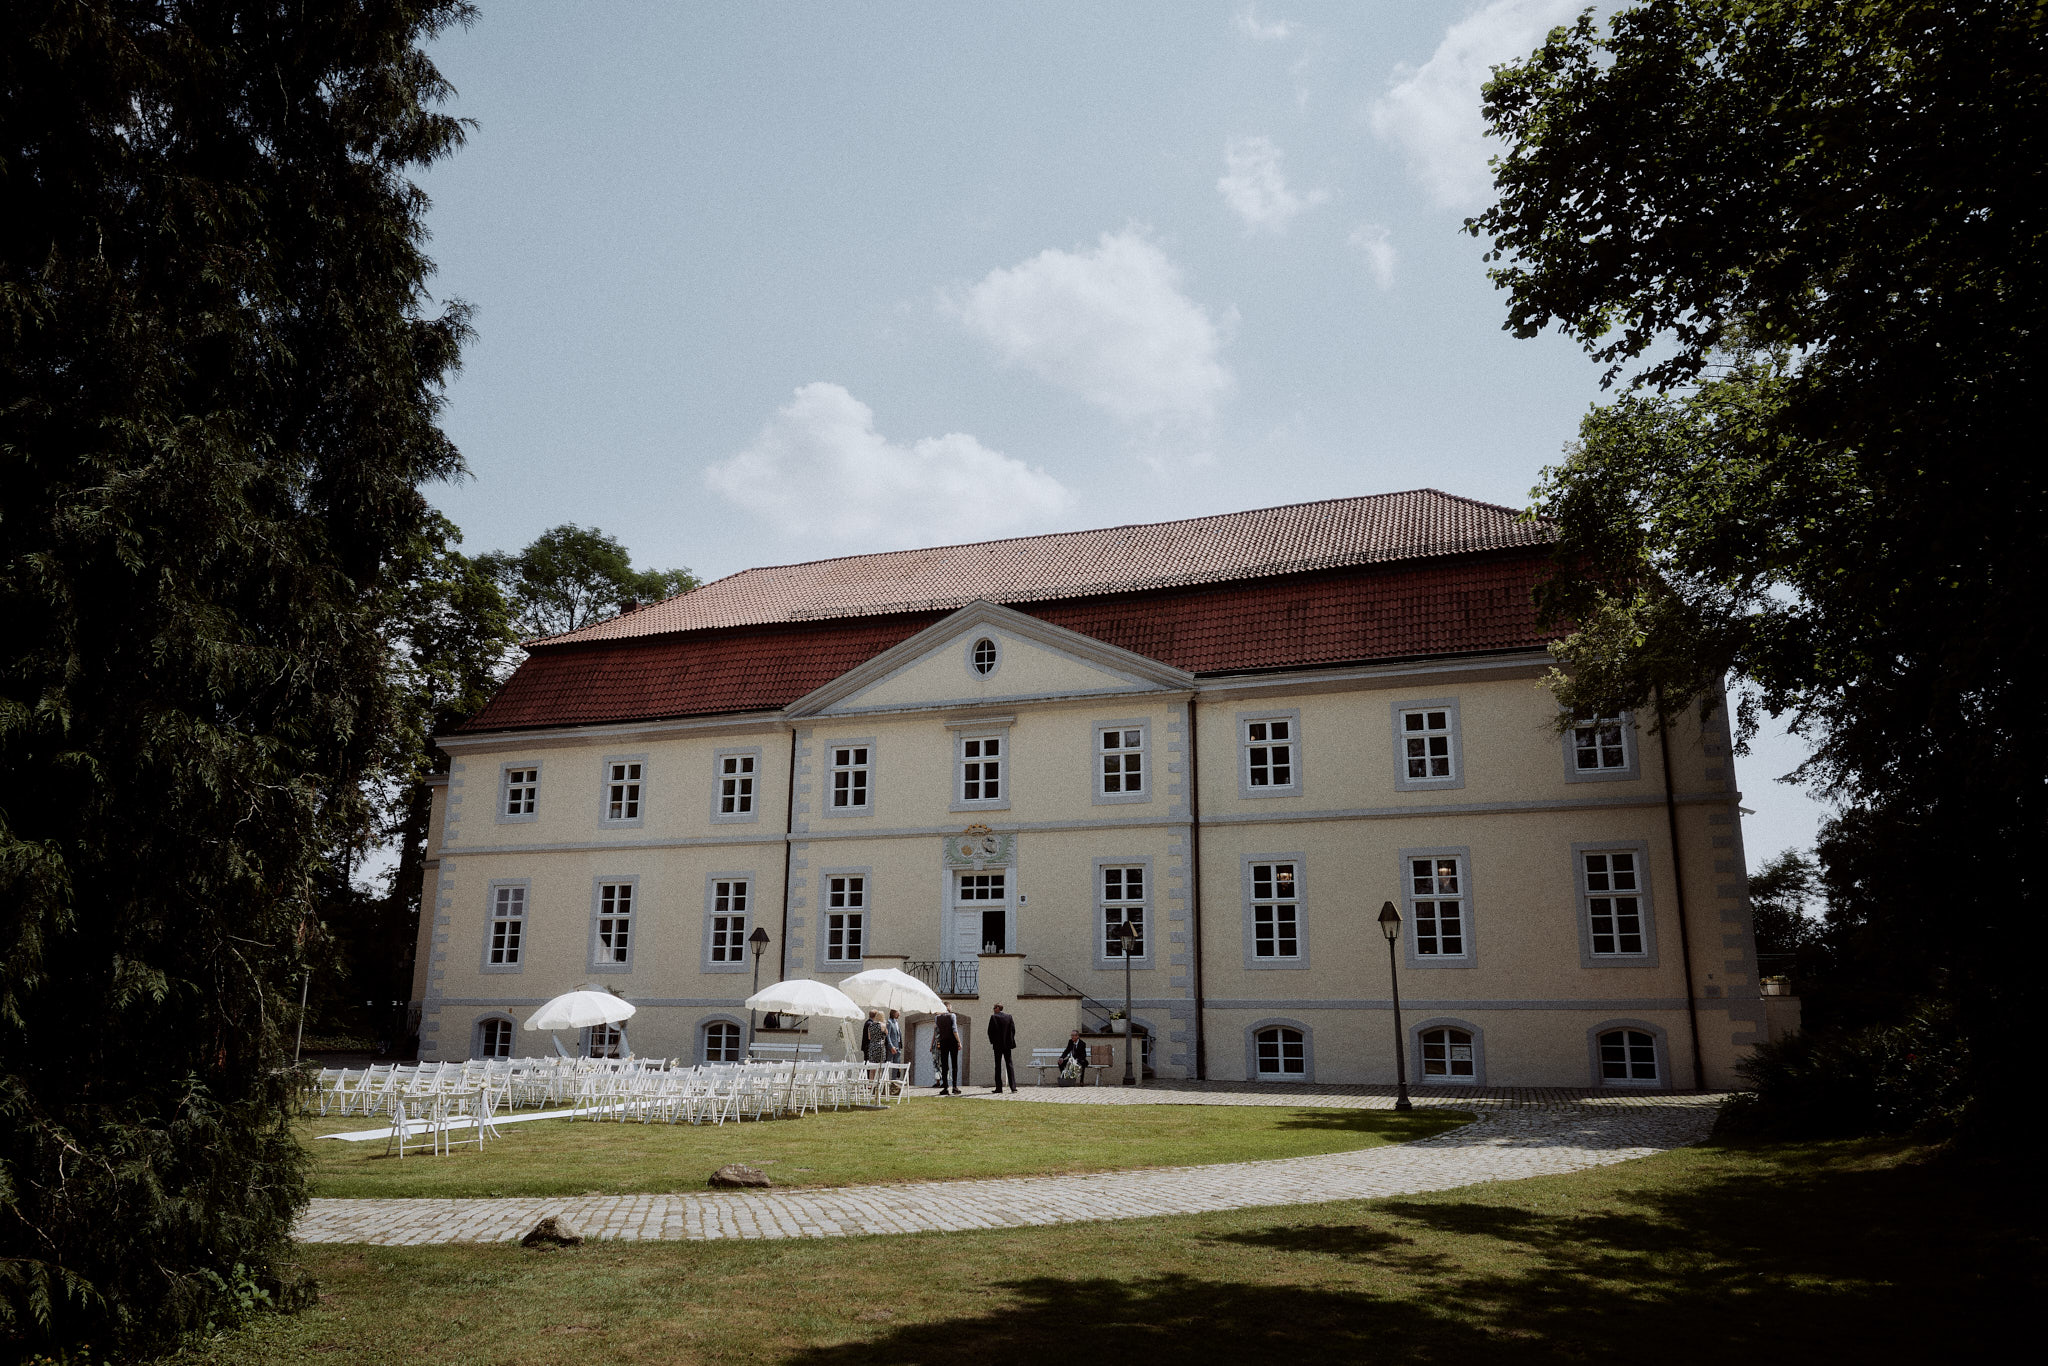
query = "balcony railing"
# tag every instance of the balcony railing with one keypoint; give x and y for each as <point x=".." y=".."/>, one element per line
<point x="948" y="976"/>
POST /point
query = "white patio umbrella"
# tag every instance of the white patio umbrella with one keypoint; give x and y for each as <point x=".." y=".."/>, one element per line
<point x="891" y="989"/>
<point x="800" y="996"/>
<point x="580" y="1010"/>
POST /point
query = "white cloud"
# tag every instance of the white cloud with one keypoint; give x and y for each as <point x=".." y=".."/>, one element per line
<point x="1111" y="325"/>
<point x="1376" y="245"/>
<point x="1262" y="30"/>
<point x="1255" y="188"/>
<point x="1432" y="111"/>
<point x="820" y="469"/>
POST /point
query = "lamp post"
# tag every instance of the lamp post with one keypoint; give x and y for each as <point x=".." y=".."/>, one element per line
<point x="1390" y="926"/>
<point x="1127" y="940"/>
<point x="758" y="942"/>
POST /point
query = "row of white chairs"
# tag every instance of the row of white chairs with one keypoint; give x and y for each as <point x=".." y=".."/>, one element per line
<point x="516" y="1082"/>
<point x="715" y="1092"/>
<point x="440" y="1121"/>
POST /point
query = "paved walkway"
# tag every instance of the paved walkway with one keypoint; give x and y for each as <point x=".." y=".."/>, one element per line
<point x="1518" y="1133"/>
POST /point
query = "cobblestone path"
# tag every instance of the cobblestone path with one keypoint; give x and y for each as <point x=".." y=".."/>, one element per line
<point x="1518" y="1133"/>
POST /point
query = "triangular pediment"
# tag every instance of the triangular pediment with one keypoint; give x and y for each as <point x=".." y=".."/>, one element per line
<point x="1033" y="661"/>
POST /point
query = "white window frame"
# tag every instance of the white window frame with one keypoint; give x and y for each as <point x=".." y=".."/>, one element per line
<point x="843" y="894"/>
<point x="736" y="779"/>
<point x="961" y="759"/>
<point x="860" y="763"/>
<point x="1412" y="898"/>
<point x="1124" y="750"/>
<point x="531" y="797"/>
<point x="1248" y="745"/>
<point x="612" y="1038"/>
<point x="1631" y="767"/>
<point x="719" y="904"/>
<point x="972" y="647"/>
<point x="1253" y="1054"/>
<point x="1475" y="1046"/>
<point x="607" y="895"/>
<point x="1297" y="863"/>
<point x="1453" y="744"/>
<point x="1660" y="1055"/>
<point x="720" y="1023"/>
<point x="634" y="781"/>
<point x="1588" y="894"/>
<point x="480" y="1045"/>
<point x="513" y="951"/>
<point x="1106" y="908"/>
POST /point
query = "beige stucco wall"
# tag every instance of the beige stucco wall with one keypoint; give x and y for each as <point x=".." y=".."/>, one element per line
<point x="1528" y="993"/>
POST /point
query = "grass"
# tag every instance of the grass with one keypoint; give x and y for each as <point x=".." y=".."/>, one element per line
<point x="921" y="1140"/>
<point x="1858" y="1251"/>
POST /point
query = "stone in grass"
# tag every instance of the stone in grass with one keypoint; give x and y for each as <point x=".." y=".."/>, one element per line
<point x="737" y="1174"/>
<point x="553" y="1231"/>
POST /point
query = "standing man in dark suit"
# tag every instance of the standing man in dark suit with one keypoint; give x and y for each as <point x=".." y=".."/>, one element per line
<point x="1002" y="1037"/>
<point x="946" y="1040"/>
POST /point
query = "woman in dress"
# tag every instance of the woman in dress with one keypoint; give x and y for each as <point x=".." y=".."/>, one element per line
<point x="874" y="1038"/>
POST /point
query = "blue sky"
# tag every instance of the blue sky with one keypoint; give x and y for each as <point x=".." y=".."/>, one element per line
<point x="767" y="283"/>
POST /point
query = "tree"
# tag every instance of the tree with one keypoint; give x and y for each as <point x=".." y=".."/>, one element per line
<point x="1816" y="227"/>
<point x="571" y="576"/>
<point x="219" y="384"/>
<point x="1779" y="894"/>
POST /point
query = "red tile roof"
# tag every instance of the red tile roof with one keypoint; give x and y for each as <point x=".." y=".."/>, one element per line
<point x="1338" y="532"/>
<point x="1471" y="605"/>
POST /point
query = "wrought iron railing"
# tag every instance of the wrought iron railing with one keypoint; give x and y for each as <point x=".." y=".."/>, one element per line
<point x="948" y="976"/>
<point x="1062" y="987"/>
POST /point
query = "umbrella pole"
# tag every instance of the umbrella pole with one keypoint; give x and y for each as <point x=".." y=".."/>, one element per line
<point x="791" y="1091"/>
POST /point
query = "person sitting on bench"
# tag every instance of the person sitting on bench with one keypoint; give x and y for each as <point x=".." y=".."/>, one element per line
<point x="1076" y="1053"/>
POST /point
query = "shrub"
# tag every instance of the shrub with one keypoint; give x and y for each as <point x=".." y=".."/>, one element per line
<point x="1890" y="1079"/>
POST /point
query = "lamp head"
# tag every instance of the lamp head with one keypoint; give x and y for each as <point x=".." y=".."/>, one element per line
<point x="758" y="941"/>
<point x="1127" y="937"/>
<point x="1390" y="922"/>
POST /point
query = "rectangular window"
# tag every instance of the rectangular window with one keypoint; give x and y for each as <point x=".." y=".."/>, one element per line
<point x="1436" y="888"/>
<point x="522" y="792"/>
<point x="981" y="768"/>
<point x="1600" y="744"/>
<point x="736" y="785"/>
<point x="1614" y="905"/>
<point x="614" y="942"/>
<point x="846" y="900"/>
<point x="1269" y="755"/>
<point x="981" y="886"/>
<point x="508" y="926"/>
<point x="850" y="770"/>
<point x="1426" y="745"/>
<point x="1276" y="911"/>
<point x="622" y="790"/>
<point x="729" y="908"/>
<point x="1120" y="761"/>
<point x="1123" y="903"/>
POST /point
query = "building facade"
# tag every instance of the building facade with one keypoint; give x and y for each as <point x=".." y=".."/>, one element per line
<point x="1239" y="735"/>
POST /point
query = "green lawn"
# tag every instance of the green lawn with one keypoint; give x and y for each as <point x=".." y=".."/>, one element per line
<point x="920" y="1140"/>
<point x="1846" y="1252"/>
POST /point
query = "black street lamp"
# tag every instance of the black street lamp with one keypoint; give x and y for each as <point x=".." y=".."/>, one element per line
<point x="758" y="942"/>
<point x="1390" y="926"/>
<point x="1127" y="940"/>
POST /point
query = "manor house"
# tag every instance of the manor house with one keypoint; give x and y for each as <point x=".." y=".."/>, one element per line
<point x="1238" y="735"/>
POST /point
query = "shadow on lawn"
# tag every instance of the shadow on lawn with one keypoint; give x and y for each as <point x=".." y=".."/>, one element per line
<point x="1822" y="1260"/>
<point x="1398" y="1127"/>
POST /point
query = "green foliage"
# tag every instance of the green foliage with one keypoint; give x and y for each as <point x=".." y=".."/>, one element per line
<point x="571" y="576"/>
<point x="1817" y="225"/>
<point x="1886" y="1079"/>
<point x="218" y="394"/>
<point x="1779" y="894"/>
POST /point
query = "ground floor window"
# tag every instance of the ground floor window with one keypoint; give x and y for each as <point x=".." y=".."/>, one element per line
<point x="1628" y="1055"/>
<point x="1447" y="1055"/>
<point x="606" y="1041"/>
<point x="494" y="1039"/>
<point x="1282" y="1052"/>
<point x="721" y="1041"/>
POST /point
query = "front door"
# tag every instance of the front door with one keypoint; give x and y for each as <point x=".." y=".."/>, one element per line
<point x="981" y="914"/>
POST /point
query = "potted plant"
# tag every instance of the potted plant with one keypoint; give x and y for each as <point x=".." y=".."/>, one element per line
<point x="1117" y="1023"/>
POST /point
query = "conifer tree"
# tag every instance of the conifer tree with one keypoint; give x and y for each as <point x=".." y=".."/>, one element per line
<point x="219" y="379"/>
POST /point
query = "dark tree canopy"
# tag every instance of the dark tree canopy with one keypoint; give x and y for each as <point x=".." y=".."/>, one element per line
<point x="219" y="382"/>
<point x="1816" y="227"/>
<point x="571" y="576"/>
